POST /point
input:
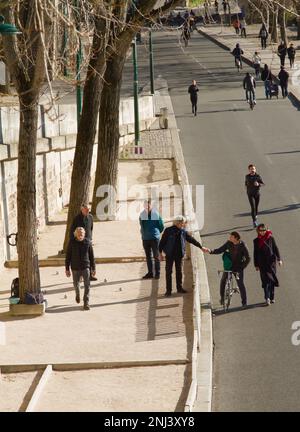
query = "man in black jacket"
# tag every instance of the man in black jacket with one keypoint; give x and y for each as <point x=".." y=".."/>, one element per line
<point x="173" y="244"/>
<point x="253" y="182"/>
<point x="240" y="258"/>
<point x="83" y="219"/>
<point x="284" y="80"/>
<point x="80" y="257"/>
<point x="193" y="90"/>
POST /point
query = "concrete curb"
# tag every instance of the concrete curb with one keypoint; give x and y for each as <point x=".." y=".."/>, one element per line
<point x="18" y="368"/>
<point x="200" y="393"/>
<point x="39" y="389"/>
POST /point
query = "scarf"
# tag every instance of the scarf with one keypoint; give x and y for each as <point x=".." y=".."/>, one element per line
<point x="262" y="238"/>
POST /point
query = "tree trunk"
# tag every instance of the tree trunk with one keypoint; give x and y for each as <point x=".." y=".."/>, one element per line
<point x="29" y="276"/>
<point x="108" y="139"/>
<point x="274" y="23"/>
<point x="81" y="173"/>
<point x="282" y="24"/>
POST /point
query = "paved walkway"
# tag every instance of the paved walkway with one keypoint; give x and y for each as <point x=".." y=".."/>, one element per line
<point x="130" y="320"/>
<point x="225" y="36"/>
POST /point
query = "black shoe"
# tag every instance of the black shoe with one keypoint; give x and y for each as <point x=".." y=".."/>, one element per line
<point x="221" y="301"/>
<point x="148" y="276"/>
<point x="244" y="305"/>
<point x="93" y="278"/>
<point x="77" y="298"/>
<point x="195" y="114"/>
<point x="86" y="306"/>
<point x="168" y="294"/>
<point x="157" y="276"/>
<point x="181" y="290"/>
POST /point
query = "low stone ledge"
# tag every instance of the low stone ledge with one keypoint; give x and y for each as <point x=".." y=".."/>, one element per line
<point x="25" y="309"/>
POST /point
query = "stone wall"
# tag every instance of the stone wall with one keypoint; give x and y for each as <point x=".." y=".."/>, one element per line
<point x="55" y="153"/>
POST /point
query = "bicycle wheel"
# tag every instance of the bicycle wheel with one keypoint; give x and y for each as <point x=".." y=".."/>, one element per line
<point x="227" y="295"/>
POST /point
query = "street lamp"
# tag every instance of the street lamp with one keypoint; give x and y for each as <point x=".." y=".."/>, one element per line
<point x="78" y="67"/>
<point x="6" y="29"/>
<point x="151" y="63"/>
<point x="136" y="98"/>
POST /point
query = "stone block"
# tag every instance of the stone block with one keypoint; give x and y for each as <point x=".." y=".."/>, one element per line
<point x="71" y="141"/>
<point x="58" y="143"/>
<point x="130" y="128"/>
<point x="10" y="122"/>
<point x="24" y="309"/>
<point x="13" y="150"/>
<point x="3" y="151"/>
<point x="67" y="119"/>
<point x="42" y="145"/>
<point x="49" y="121"/>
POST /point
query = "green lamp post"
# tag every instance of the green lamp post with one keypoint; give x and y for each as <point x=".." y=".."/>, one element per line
<point x="7" y="28"/>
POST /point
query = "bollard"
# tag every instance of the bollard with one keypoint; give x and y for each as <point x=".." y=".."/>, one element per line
<point x="163" y="118"/>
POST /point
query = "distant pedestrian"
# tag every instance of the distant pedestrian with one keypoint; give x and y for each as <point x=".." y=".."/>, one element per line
<point x="263" y="35"/>
<point x="186" y="34"/>
<point x="266" y="77"/>
<point x="266" y="254"/>
<point x="173" y="244"/>
<point x="253" y="182"/>
<point x="193" y="91"/>
<point x="236" y="25"/>
<point x="84" y="219"/>
<point x="225" y="5"/>
<point x="256" y="59"/>
<point x="291" y="52"/>
<point x="80" y="258"/>
<point x="282" y="52"/>
<point x="152" y="226"/>
<point x="284" y="80"/>
<point x="243" y="26"/>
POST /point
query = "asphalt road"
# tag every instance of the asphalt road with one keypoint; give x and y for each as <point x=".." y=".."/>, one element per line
<point x="256" y="367"/>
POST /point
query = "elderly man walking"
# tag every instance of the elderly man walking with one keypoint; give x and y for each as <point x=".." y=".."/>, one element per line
<point x="85" y="220"/>
<point x="173" y="243"/>
<point x="151" y="227"/>
<point x="80" y="258"/>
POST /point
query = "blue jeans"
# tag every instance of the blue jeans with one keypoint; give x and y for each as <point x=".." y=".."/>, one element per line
<point x="151" y="248"/>
<point x="248" y="94"/>
<point x="267" y="88"/>
<point x="85" y="273"/>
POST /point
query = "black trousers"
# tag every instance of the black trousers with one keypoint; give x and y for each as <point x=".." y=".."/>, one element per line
<point x="194" y="105"/>
<point x="169" y="268"/>
<point x="240" y="284"/>
<point x="254" y="202"/>
<point x="151" y="248"/>
<point x="284" y="89"/>
<point x="263" y="42"/>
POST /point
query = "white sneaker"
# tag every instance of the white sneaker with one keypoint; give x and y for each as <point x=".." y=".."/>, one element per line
<point x="268" y="302"/>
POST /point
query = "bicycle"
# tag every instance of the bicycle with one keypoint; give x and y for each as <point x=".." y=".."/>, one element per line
<point x="230" y="287"/>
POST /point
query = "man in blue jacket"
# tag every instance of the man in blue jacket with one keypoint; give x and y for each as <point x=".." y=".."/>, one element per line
<point x="173" y="244"/>
<point x="151" y="227"/>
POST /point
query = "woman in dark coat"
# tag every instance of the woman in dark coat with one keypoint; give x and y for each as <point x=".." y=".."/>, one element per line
<point x="266" y="254"/>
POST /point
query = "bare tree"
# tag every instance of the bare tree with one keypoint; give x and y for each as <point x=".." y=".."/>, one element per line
<point x="122" y="32"/>
<point x="26" y="60"/>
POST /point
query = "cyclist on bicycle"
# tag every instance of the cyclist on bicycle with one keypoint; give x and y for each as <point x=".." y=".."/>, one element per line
<point x="238" y="253"/>
<point x="237" y="53"/>
<point x="249" y="85"/>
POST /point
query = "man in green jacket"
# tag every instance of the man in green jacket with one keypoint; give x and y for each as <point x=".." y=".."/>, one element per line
<point x="151" y="227"/>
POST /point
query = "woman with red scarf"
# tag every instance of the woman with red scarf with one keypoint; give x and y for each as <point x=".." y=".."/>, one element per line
<point x="266" y="254"/>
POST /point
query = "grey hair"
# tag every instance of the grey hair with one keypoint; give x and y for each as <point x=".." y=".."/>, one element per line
<point x="180" y="218"/>
<point x="78" y="229"/>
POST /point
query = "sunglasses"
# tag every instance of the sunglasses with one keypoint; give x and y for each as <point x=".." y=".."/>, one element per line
<point x="262" y="230"/>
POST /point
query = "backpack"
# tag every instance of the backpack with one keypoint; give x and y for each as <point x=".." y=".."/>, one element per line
<point x="263" y="33"/>
<point x="31" y="298"/>
<point x="14" y="289"/>
<point x="227" y="263"/>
